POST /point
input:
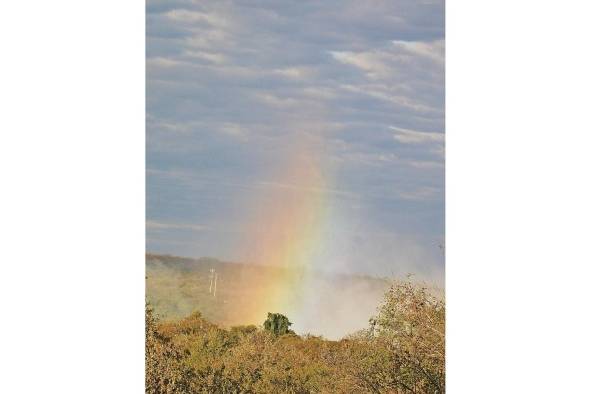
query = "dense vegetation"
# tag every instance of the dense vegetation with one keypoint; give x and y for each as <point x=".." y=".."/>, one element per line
<point x="401" y="351"/>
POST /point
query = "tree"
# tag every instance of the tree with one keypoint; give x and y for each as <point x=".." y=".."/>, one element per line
<point x="277" y="323"/>
<point x="411" y="326"/>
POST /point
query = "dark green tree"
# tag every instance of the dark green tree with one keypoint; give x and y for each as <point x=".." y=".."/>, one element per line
<point x="277" y="323"/>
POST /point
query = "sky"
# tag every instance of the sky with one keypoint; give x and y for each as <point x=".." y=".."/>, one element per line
<point x="289" y="121"/>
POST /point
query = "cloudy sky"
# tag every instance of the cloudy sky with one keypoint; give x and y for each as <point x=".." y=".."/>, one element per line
<point x="233" y="86"/>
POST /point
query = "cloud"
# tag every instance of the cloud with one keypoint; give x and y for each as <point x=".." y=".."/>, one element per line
<point x="422" y="193"/>
<point x="407" y="136"/>
<point x="211" y="57"/>
<point x="234" y="129"/>
<point x="153" y="225"/>
<point x="183" y="15"/>
<point x="432" y="50"/>
<point x="234" y="87"/>
<point x="295" y="72"/>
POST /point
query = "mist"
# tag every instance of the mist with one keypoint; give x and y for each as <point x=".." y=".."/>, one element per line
<point x="330" y="305"/>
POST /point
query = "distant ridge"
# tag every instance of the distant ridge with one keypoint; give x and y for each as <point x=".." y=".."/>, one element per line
<point x="177" y="286"/>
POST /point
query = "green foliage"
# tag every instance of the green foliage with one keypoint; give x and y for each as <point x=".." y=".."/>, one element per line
<point x="402" y="351"/>
<point x="277" y="323"/>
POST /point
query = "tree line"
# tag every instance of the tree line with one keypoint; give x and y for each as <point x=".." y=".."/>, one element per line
<point x="401" y="351"/>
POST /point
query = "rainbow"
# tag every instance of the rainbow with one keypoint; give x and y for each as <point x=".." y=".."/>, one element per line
<point x="287" y="230"/>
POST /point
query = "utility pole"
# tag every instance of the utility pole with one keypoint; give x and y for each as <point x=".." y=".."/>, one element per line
<point x="211" y="275"/>
<point x="215" y="284"/>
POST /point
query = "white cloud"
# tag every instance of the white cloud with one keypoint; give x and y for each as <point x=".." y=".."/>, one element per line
<point x="276" y="101"/>
<point x="182" y="15"/>
<point x="382" y="92"/>
<point x="209" y="56"/>
<point x="294" y="72"/>
<point x="370" y="62"/>
<point x="407" y="136"/>
<point x="162" y="62"/>
<point x="434" y="50"/>
<point x="153" y="225"/>
<point x="386" y="62"/>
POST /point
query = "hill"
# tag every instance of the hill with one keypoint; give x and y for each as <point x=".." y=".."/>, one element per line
<point x="333" y="305"/>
